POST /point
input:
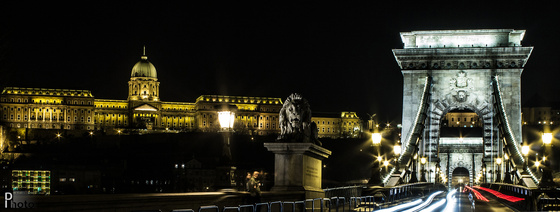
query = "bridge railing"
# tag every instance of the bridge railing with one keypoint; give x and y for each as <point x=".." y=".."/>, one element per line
<point x="346" y="191"/>
<point x="333" y="204"/>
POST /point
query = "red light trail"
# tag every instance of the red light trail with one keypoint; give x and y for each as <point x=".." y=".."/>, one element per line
<point x="500" y="195"/>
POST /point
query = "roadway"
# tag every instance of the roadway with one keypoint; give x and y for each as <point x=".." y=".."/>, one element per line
<point x="464" y="204"/>
<point x="448" y="202"/>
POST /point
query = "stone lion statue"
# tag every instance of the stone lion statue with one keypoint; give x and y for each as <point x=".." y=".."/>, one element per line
<point x="295" y="121"/>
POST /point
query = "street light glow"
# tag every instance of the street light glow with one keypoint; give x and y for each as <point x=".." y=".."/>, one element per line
<point x="376" y="138"/>
<point x="498" y="161"/>
<point x="386" y="163"/>
<point x="537" y="164"/>
<point x="547" y="138"/>
<point x="423" y="160"/>
<point x="226" y="119"/>
<point x="525" y="150"/>
<point x="397" y="149"/>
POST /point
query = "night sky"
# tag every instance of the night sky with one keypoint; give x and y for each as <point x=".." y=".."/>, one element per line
<point x="337" y="55"/>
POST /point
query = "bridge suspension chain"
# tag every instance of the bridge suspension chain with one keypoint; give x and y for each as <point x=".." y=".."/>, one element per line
<point x="512" y="142"/>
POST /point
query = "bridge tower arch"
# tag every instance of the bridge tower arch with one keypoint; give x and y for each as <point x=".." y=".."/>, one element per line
<point x="477" y="70"/>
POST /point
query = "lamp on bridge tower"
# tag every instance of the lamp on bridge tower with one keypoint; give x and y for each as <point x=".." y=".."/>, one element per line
<point x="413" y="177"/>
<point x="546" y="180"/>
<point x="507" y="178"/>
<point x="525" y="151"/>
<point x="423" y="162"/>
<point x="498" y="172"/>
<point x="397" y="150"/>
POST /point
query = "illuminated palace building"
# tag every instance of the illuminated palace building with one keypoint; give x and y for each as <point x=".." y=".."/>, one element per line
<point x="78" y="110"/>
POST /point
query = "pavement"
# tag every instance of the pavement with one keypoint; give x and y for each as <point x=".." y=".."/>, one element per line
<point x="464" y="204"/>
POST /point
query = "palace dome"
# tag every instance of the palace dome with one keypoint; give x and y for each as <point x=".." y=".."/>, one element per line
<point x="144" y="68"/>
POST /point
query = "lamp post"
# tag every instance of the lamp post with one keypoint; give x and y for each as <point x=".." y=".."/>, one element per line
<point x="525" y="152"/>
<point x="226" y="119"/>
<point x="375" y="171"/>
<point x="507" y="178"/>
<point x="397" y="151"/>
<point x="546" y="180"/>
<point x="498" y="173"/>
<point x="423" y="162"/>
<point x="413" y="177"/>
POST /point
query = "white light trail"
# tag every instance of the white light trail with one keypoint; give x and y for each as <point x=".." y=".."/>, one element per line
<point x="400" y="207"/>
<point x="450" y="201"/>
<point x="425" y="203"/>
<point x="434" y="206"/>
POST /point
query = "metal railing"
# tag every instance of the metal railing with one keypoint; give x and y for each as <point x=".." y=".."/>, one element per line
<point x="354" y="200"/>
<point x="346" y="191"/>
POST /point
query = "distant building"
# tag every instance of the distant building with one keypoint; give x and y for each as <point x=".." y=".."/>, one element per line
<point x="461" y="119"/>
<point x="538" y="111"/>
<point x="65" y="109"/>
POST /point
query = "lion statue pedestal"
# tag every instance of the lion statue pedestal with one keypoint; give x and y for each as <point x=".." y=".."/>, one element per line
<point x="298" y="156"/>
<point x="298" y="167"/>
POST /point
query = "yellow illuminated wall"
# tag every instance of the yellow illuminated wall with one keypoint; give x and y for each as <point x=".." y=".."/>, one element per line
<point x="47" y="108"/>
<point x="327" y="126"/>
<point x="461" y="119"/>
<point x="351" y="124"/>
<point x="32" y="181"/>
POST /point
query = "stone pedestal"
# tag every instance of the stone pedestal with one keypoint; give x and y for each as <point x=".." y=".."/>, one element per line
<point x="298" y="167"/>
<point x="528" y="181"/>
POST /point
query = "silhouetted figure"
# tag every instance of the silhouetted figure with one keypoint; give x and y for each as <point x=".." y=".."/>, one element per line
<point x="254" y="188"/>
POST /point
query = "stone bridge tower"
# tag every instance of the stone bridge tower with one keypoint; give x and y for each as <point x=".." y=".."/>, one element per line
<point x="474" y="70"/>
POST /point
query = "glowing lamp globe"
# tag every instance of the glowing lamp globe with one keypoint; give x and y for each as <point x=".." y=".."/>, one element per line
<point x="547" y="138"/>
<point x="498" y="161"/>
<point x="226" y="119"/>
<point x="397" y="149"/>
<point x="376" y="138"/>
<point x="525" y="150"/>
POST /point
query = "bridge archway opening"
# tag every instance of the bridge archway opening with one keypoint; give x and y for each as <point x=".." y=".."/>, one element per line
<point x="460" y="141"/>
<point x="460" y="177"/>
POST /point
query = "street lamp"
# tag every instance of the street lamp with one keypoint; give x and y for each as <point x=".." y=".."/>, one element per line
<point x="498" y="173"/>
<point x="423" y="162"/>
<point x="546" y="180"/>
<point x="226" y="120"/>
<point x="375" y="171"/>
<point x="525" y="152"/>
<point x="507" y="178"/>
<point x="537" y="164"/>
<point x="386" y="163"/>
<point x="547" y="138"/>
<point x="397" y="150"/>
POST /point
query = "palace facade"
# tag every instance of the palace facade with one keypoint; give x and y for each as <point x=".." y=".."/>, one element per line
<point x="66" y="109"/>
